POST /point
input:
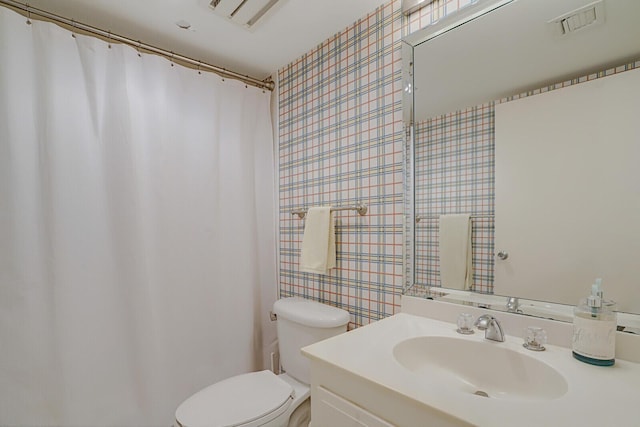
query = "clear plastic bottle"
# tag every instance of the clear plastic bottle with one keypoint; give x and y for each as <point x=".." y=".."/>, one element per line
<point x="594" y="329"/>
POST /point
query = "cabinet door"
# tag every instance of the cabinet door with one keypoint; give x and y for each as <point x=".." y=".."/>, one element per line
<point x="333" y="410"/>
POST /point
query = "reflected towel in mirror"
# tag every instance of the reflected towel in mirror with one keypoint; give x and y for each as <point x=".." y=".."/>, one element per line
<point x="456" y="270"/>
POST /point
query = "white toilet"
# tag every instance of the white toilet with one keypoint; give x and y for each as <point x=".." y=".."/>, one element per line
<point x="263" y="398"/>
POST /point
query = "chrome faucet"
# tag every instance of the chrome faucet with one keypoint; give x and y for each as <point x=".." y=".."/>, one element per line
<point x="513" y="305"/>
<point x="491" y="327"/>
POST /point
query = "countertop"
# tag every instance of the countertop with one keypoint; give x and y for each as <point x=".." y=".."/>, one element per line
<point x="596" y="396"/>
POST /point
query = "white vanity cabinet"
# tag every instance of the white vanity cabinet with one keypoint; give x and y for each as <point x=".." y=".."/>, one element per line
<point x="333" y="410"/>
<point x="340" y="398"/>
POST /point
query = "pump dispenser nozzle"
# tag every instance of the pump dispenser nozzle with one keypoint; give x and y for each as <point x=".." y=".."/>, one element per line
<point x="598" y="286"/>
<point x="595" y="299"/>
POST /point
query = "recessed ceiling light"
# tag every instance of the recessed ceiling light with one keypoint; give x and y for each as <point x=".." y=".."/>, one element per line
<point x="183" y="24"/>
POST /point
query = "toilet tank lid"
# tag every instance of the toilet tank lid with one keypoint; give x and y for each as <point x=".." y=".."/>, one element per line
<point x="310" y="313"/>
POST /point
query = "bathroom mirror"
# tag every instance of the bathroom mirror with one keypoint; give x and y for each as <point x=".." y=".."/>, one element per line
<point x="467" y="79"/>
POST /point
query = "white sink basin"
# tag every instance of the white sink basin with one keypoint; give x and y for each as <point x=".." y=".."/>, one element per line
<point x="482" y="368"/>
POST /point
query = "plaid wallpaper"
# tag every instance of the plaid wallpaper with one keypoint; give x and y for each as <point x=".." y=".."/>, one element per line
<point x="433" y="12"/>
<point x="454" y="157"/>
<point x="341" y="141"/>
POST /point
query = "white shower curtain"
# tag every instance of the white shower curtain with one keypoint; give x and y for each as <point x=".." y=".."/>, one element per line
<point x="136" y="230"/>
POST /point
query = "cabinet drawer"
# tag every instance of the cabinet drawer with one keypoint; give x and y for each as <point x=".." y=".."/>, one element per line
<point x="333" y="410"/>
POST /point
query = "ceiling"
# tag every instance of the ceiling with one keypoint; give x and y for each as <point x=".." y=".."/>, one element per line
<point x="287" y="31"/>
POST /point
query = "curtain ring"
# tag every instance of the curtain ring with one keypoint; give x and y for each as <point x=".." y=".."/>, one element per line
<point x="199" y="63"/>
<point x="171" y="59"/>
<point x="138" y="49"/>
<point x="28" y="14"/>
<point x="109" y="42"/>
<point x="73" y="28"/>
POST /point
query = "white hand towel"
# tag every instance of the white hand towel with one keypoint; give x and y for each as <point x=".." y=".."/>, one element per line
<point x="456" y="270"/>
<point x="319" y="242"/>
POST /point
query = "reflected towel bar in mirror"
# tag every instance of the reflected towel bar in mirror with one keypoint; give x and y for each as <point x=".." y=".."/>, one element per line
<point x="421" y="217"/>
<point x="361" y="208"/>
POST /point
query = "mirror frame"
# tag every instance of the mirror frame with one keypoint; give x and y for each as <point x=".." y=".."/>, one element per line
<point x="628" y="322"/>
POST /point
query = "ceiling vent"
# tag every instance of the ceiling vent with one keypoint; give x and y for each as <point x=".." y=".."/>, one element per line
<point x="587" y="16"/>
<point x="242" y="12"/>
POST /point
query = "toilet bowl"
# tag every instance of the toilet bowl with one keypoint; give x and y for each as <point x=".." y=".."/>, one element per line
<point x="263" y="398"/>
<point x="249" y="400"/>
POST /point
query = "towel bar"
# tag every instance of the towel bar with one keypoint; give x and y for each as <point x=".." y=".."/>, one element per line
<point x="361" y="208"/>
<point x="421" y="217"/>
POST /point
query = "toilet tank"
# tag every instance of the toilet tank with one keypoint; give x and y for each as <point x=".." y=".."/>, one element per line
<point x="303" y="322"/>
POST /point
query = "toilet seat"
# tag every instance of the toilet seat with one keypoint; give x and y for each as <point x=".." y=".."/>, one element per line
<point x="249" y="399"/>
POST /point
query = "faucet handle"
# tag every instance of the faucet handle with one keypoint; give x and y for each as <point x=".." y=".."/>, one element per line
<point x="535" y="338"/>
<point x="465" y="324"/>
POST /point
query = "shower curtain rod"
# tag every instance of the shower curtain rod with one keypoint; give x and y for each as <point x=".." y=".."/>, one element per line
<point x="29" y="10"/>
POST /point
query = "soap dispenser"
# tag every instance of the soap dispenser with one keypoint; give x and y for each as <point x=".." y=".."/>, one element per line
<point x="594" y="329"/>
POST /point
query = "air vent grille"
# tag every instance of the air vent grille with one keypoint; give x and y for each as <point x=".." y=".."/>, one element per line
<point x="587" y="16"/>
<point x="579" y="20"/>
<point x="242" y="12"/>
